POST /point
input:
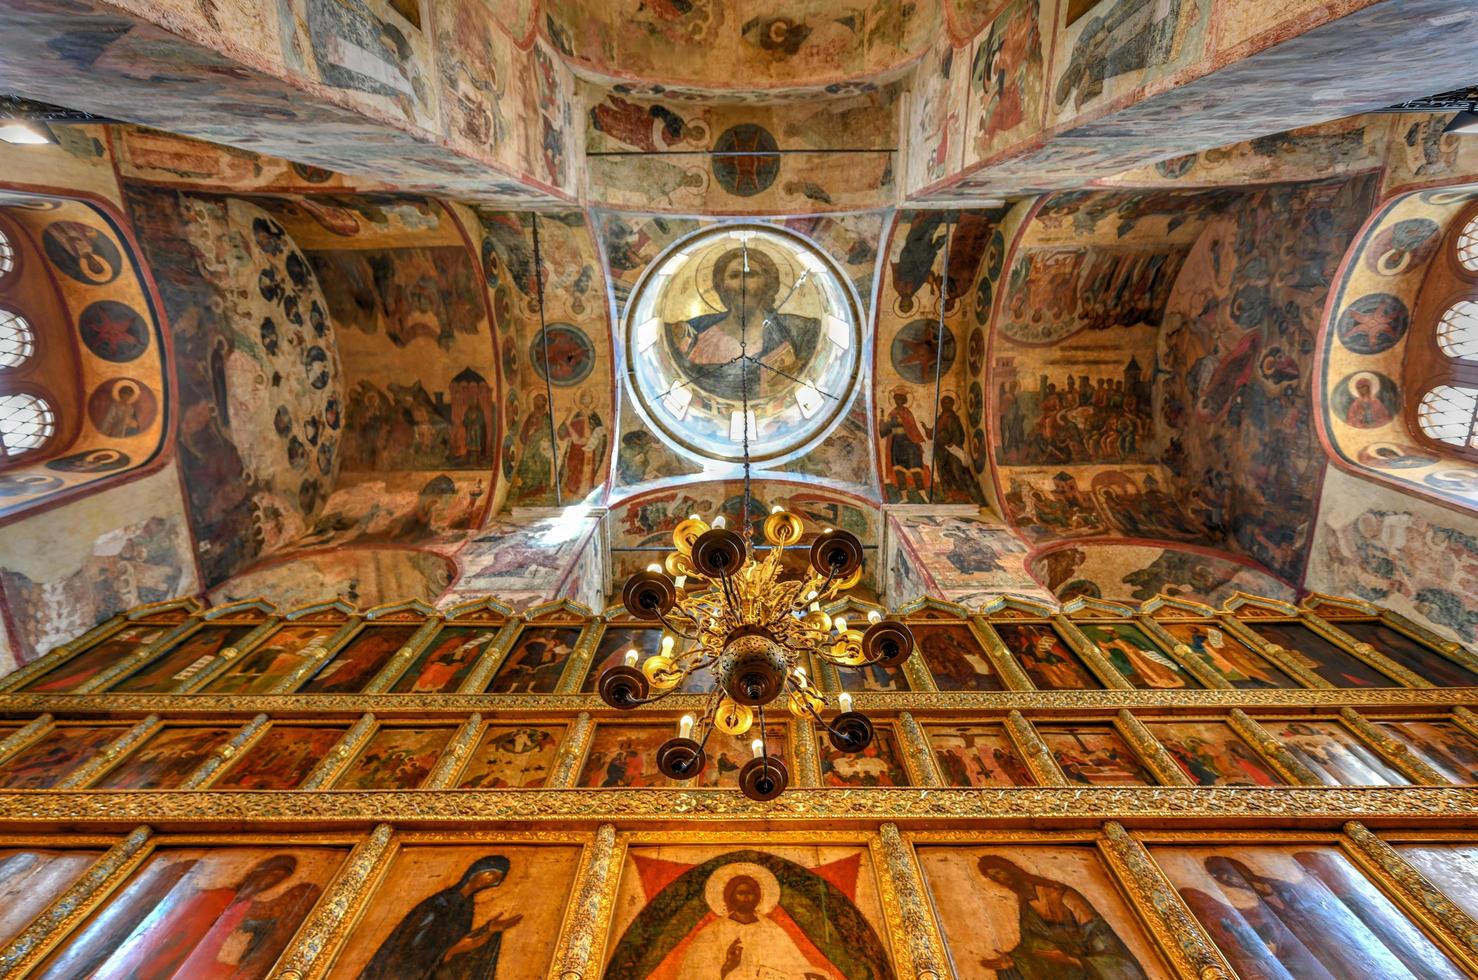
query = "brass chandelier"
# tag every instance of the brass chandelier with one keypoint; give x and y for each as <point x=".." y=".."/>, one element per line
<point x="730" y="611"/>
<point x="727" y="610"/>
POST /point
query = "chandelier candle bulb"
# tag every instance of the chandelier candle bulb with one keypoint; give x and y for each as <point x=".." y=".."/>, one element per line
<point x="654" y="567"/>
<point x="631" y="657"/>
<point x="844" y="701"/>
<point x="757" y="747"/>
<point x="721" y="521"/>
<point x="874" y="617"/>
<point x="840" y="623"/>
<point x="685" y="726"/>
<point x="668" y="642"/>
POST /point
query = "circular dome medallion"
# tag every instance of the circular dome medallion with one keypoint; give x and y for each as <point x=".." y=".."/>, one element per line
<point x="736" y="311"/>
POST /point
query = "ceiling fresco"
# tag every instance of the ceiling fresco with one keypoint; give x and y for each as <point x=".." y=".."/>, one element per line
<point x="422" y="290"/>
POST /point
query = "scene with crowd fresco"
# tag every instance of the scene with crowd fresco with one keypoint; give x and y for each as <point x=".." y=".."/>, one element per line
<point x="680" y="488"/>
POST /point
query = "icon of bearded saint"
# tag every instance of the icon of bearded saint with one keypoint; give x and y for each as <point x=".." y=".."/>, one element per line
<point x="708" y="348"/>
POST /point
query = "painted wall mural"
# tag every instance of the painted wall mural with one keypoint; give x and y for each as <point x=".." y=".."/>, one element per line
<point x="661" y="154"/>
<point x="1395" y="283"/>
<point x="364" y="576"/>
<point x="828" y="43"/>
<point x="964" y="558"/>
<point x="1377" y="543"/>
<point x="99" y="309"/>
<point x="1239" y="348"/>
<point x="1133" y="572"/>
<point x="68" y="568"/>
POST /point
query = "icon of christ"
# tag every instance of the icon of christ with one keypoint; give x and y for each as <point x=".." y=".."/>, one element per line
<point x="749" y="333"/>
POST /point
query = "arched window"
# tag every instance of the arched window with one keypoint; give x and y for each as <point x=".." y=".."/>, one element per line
<point x="7" y="254"/>
<point x="26" y="422"/>
<point x="1442" y="360"/>
<point x="17" y="339"/>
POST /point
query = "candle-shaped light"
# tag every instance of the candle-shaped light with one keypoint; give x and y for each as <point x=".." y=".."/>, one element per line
<point x="680" y="582"/>
<point x="812" y="596"/>
<point x="777" y="509"/>
<point x="694" y="517"/>
<point x="631" y="657"/>
<point x="844" y="700"/>
<point x="757" y="747"/>
<point x="668" y="642"/>
<point x="874" y="617"/>
<point x="685" y="726"/>
<point x="721" y="521"/>
<point x="654" y="567"/>
<point x="840" y="623"/>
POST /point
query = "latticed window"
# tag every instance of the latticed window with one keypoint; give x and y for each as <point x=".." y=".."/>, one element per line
<point x="1467" y="245"/>
<point x="17" y="339"/>
<point x="7" y="254"/>
<point x="26" y="422"/>
<point x="1449" y="414"/>
<point x="1457" y="332"/>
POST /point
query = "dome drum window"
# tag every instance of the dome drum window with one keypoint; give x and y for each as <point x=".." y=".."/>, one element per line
<point x="1441" y="361"/>
<point x="26" y="423"/>
<point x="7" y="255"/>
<point x="743" y="315"/>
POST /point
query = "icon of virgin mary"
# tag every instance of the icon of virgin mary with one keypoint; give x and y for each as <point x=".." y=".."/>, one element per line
<point x="709" y="348"/>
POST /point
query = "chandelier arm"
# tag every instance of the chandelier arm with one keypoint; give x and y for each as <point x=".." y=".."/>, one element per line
<point x="680" y="632"/>
<point x="812" y="710"/>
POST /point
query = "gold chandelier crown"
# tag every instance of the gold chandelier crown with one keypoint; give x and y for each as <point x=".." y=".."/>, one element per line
<point x="727" y="610"/>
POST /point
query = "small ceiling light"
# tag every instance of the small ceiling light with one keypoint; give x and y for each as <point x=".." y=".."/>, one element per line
<point x="1463" y="124"/>
<point x="24" y="133"/>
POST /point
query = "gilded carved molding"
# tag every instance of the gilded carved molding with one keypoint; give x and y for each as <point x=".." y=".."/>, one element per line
<point x="398" y="664"/>
<point x="1456" y="925"/>
<point x="26" y="950"/>
<point x="227" y="657"/>
<point x="316" y="705"/>
<point x="1091" y="655"/>
<point x="109" y="756"/>
<point x="917" y="753"/>
<point x="1179" y="934"/>
<point x="566" y="770"/>
<point x="1184" y="655"/>
<point x="217" y="761"/>
<point x="582" y="940"/>
<point x="449" y="766"/>
<point x="25" y="735"/>
<point x="1416" y="804"/>
<point x="487" y="665"/>
<point x="1287" y="765"/>
<point x="348" y="744"/>
<point x="1151" y="751"/>
<point x="1034" y="751"/>
<point x="907" y="907"/>
<point x="1395" y="752"/>
<point x="803" y="754"/>
<point x="328" y="924"/>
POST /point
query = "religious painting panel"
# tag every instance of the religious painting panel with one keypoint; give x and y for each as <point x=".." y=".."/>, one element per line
<point x="1412" y="654"/>
<point x="1094" y="755"/>
<point x="446" y="661"/>
<point x="1335" y="754"/>
<point x="186" y="659"/>
<point x="199" y="912"/>
<point x="463" y="910"/>
<point x="165" y="758"/>
<point x="956" y="659"/>
<point x="977" y="755"/>
<point x="1047" y="660"/>
<point x="31" y="879"/>
<point x="871" y="677"/>
<point x="510" y="756"/>
<point x="1337" y="666"/>
<point x="359" y="660"/>
<point x="273" y="662"/>
<point x="1444" y="745"/>
<point x="1244" y="668"/>
<point x="1299" y="910"/>
<point x="395" y="758"/>
<point x="282" y="758"/>
<point x="686" y="910"/>
<point x="647" y="642"/>
<point x="625" y="756"/>
<point x="880" y="764"/>
<point x="49" y="759"/>
<point x="1453" y="868"/>
<point x="83" y="667"/>
<point x="1212" y="754"/>
<point x="1134" y="655"/>
<point x="1035" y="911"/>
<point x="535" y="662"/>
